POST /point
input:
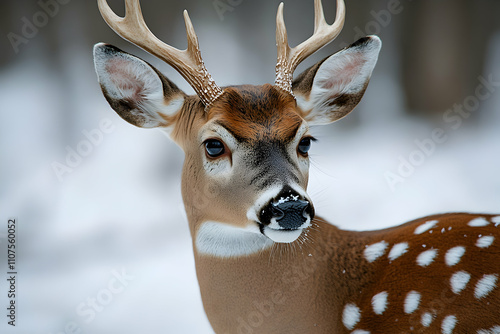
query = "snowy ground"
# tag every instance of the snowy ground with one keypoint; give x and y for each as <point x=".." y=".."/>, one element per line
<point x="119" y="213"/>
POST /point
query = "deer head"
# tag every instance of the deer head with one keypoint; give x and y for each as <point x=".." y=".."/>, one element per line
<point x="246" y="147"/>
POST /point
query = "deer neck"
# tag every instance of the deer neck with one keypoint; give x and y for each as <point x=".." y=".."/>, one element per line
<point x="284" y="285"/>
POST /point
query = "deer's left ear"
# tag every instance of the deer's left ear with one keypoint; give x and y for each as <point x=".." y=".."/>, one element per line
<point x="332" y="88"/>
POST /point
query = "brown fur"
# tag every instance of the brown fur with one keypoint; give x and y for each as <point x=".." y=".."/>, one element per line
<point x="303" y="287"/>
<point x="253" y="113"/>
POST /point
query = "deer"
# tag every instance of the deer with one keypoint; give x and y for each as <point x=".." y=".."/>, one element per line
<point x="264" y="261"/>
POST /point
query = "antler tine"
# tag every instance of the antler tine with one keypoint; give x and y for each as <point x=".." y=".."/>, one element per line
<point x="191" y="34"/>
<point x="187" y="62"/>
<point x="283" y="75"/>
<point x="319" y="16"/>
<point x="289" y="59"/>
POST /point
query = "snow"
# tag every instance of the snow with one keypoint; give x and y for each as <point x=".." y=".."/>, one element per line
<point x="121" y="208"/>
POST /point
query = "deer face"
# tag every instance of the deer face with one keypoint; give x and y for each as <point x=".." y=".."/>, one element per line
<point x="252" y="154"/>
<point x="246" y="168"/>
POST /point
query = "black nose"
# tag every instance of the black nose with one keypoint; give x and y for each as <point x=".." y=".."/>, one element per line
<point x="287" y="210"/>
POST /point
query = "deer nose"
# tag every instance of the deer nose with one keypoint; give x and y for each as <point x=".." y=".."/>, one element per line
<point x="287" y="211"/>
<point x="291" y="214"/>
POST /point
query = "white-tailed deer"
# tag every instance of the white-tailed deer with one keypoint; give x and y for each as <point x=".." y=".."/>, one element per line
<point x="265" y="263"/>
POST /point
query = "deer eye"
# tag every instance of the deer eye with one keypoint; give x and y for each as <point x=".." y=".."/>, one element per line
<point x="214" y="148"/>
<point x="304" y="145"/>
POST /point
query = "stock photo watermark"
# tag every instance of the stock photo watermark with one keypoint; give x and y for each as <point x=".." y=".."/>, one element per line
<point x="381" y="19"/>
<point x="223" y="6"/>
<point x="453" y="119"/>
<point x="292" y="280"/>
<point x="11" y="272"/>
<point x="31" y="25"/>
<point x="89" y="309"/>
<point x="74" y="157"/>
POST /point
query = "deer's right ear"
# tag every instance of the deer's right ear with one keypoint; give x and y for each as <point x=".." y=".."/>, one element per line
<point x="137" y="91"/>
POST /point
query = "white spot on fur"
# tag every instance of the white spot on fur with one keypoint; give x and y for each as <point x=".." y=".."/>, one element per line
<point x="478" y="222"/>
<point x="425" y="226"/>
<point x="426" y="258"/>
<point x="412" y="301"/>
<point x="448" y="324"/>
<point x="485" y="285"/>
<point x="427" y="319"/>
<point x="496" y="220"/>
<point x="379" y="302"/>
<point x="397" y="250"/>
<point x="351" y="316"/>
<point x="224" y="240"/>
<point x="458" y="281"/>
<point x="485" y="242"/>
<point x="375" y="251"/>
<point x="492" y="330"/>
<point x="360" y="331"/>
<point x="454" y="255"/>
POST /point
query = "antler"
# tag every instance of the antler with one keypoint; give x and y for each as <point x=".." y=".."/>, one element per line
<point x="289" y="59"/>
<point x="187" y="62"/>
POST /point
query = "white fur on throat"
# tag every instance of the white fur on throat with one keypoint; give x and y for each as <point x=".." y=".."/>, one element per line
<point x="224" y="240"/>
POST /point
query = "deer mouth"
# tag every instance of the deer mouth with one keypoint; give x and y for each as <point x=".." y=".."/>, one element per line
<point x="281" y="235"/>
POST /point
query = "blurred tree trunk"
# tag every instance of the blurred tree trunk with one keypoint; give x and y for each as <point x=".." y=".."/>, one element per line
<point x="444" y="44"/>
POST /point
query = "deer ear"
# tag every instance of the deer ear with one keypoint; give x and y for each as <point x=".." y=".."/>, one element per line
<point x="332" y="88"/>
<point x="137" y="91"/>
